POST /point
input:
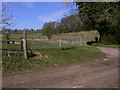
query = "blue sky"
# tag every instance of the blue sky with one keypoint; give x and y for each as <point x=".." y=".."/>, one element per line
<point x="35" y="14"/>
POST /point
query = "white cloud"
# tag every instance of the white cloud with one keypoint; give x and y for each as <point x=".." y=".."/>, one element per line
<point x="53" y="16"/>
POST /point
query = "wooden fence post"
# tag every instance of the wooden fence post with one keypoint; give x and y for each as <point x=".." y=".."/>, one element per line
<point x="21" y="44"/>
<point x="72" y="39"/>
<point x="82" y="39"/>
<point x="84" y="42"/>
<point x="60" y="43"/>
<point x="25" y="45"/>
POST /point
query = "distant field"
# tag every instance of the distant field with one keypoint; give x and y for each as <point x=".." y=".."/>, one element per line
<point x="88" y="35"/>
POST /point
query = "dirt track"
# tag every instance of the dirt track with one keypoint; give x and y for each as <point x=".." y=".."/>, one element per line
<point x="98" y="73"/>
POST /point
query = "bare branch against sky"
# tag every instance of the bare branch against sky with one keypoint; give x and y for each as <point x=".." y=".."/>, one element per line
<point x="6" y="16"/>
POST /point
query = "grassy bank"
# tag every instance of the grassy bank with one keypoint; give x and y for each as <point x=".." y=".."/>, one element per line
<point x="51" y="57"/>
<point x="104" y="45"/>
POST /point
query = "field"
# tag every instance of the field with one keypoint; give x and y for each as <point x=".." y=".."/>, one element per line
<point x="33" y="36"/>
<point x="41" y="57"/>
<point x="88" y="35"/>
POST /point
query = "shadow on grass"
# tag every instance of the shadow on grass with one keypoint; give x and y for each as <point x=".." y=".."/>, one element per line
<point x="67" y="48"/>
<point x="31" y="55"/>
<point x="91" y="42"/>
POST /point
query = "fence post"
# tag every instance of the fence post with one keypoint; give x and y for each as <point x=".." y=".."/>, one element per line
<point x="21" y="44"/>
<point x="25" y="45"/>
<point x="72" y="39"/>
<point x="82" y="40"/>
<point x="60" y="43"/>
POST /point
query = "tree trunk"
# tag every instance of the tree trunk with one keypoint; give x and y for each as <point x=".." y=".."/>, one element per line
<point x="100" y="38"/>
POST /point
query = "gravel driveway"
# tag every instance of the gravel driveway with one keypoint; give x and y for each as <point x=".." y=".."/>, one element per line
<point x="98" y="73"/>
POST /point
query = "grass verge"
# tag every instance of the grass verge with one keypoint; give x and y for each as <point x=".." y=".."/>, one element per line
<point x="51" y="57"/>
<point x="108" y="46"/>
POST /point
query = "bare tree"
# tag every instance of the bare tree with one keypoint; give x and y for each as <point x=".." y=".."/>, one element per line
<point x="72" y="8"/>
<point x="6" y="15"/>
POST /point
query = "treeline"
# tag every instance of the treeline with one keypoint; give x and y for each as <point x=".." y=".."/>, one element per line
<point x="7" y="30"/>
<point x="67" y="24"/>
<point x="104" y="17"/>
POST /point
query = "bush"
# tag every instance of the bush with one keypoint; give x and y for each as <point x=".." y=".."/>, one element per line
<point x="109" y="39"/>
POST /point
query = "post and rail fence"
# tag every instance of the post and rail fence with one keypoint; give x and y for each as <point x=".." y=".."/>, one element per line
<point x="39" y="41"/>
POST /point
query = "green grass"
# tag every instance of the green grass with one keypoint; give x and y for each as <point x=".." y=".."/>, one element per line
<point x="89" y="35"/>
<point x="72" y="55"/>
<point x="36" y="44"/>
<point x="108" y="46"/>
<point x="58" y="56"/>
<point x="42" y="44"/>
<point x="11" y="47"/>
<point x="62" y="56"/>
